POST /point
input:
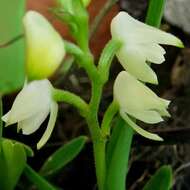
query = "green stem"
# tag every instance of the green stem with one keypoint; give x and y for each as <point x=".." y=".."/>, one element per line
<point x="84" y="59"/>
<point x="70" y="98"/>
<point x="38" y="180"/>
<point x="91" y="69"/>
<point x="155" y="12"/>
<point x="95" y="98"/>
<point x="99" y="143"/>
<point x="108" y="117"/>
<point x="99" y="139"/>
<point x="87" y="62"/>
<point x="100" y="162"/>
<point x="73" y="49"/>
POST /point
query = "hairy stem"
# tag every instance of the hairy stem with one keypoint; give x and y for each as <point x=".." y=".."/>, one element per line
<point x="99" y="143"/>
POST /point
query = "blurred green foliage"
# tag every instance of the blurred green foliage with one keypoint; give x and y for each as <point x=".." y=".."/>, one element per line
<point x="11" y="56"/>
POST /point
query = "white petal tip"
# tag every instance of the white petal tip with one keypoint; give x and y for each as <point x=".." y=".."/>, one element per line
<point x="5" y="117"/>
<point x="7" y="124"/>
<point x="180" y="44"/>
<point x="39" y="146"/>
<point x="153" y="80"/>
<point x="50" y="127"/>
<point x="24" y="132"/>
<point x="157" y="138"/>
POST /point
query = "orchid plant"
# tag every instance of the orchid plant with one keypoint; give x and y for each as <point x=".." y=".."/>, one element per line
<point x="134" y="43"/>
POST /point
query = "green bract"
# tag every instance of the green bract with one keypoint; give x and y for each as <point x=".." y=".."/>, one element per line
<point x="44" y="47"/>
<point x="140" y="45"/>
<point x="138" y="101"/>
<point x="31" y="107"/>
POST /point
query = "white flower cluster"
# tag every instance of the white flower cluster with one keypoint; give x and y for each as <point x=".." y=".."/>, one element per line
<point x="140" y="46"/>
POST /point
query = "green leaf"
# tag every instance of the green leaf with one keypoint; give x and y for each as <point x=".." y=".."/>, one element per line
<point x="155" y="12"/>
<point x="161" y="180"/>
<point x="117" y="156"/>
<point x="38" y="180"/>
<point x="11" y="56"/>
<point x="63" y="156"/>
<point x="12" y="164"/>
<point x="28" y="150"/>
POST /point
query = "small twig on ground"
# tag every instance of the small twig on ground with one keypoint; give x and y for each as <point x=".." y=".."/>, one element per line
<point x="182" y="167"/>
<point x="171" y="137"/>
<point x="4" y="45"/>
<point x="106" y="8"/>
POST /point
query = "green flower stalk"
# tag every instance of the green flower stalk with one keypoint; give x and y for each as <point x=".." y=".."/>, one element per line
<point x="31" y="107"/>
<point x="140" y="46"/>
<point x="44" y="46"/>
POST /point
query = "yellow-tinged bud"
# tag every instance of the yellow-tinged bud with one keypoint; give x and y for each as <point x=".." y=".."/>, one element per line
<point x="44" y="46"/>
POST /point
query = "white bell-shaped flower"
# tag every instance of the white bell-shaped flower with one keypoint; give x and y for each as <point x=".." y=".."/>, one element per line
<point x="140" y="45"/>
<point x="31" y="107"/>
<point x="44" y="46"/>
<point x="138" y="101"/>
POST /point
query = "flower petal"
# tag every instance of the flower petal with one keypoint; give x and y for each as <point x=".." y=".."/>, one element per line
<point x="138" y="32"/>
<point x="32" y="124"/>
<point x="153" y="53"/>
<point x="149" y="116"/>
<point x="131" y="94"/>
<point x="163" y="109"/>
<point x="139" y="130"/>
<point x="155" y="35"/>
<point x="5" y="117"/>
<point x="33" y="98"/>
<point x="164" y="112"/>
<point x="134" y="62"/>
<point x="50" y="127"/>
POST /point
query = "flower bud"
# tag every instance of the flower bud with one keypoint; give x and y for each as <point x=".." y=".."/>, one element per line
<point x="44" y="46"/>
